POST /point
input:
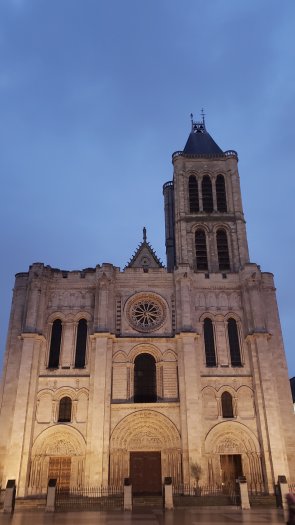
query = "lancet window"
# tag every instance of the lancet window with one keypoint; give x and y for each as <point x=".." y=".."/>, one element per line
<point x="193" y="194"/>
<point x="234" y="342"/>
<point x="81" y="343"/>
<point x="222" y="250"/>
<point x="221" y="194"/>
<point x="201" y="250"/>
<point x="55" y="344"/>
<point x="207" y="194"/>
<point x="209" y="343"/>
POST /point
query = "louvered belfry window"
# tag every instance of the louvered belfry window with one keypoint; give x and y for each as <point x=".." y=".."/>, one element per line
<point x="193" y="194"/>
<point x="65" y="410"/>
<point x="222" y="250"/>
<point x="209" y="343"/>
<point x="221" y="194"/>
<point x="55" y="343"/>
<point x="81" y="342"/>
<point x="201" y="250"/>
<point x="145" y="384"/>
<point x="234" y="342"/>
<point x="207" y="194"/>
<point x="227" y="405"/>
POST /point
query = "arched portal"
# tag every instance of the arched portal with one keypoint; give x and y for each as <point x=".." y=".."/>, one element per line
<point x="58" y="452"/>
<point x="144" y="432"/>
<point x="231" y="449"/>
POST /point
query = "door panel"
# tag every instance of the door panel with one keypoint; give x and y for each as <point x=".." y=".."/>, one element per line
<point x="60" y="469"/>
<point x="145" y="472"/>
<point x="231" y="467"/>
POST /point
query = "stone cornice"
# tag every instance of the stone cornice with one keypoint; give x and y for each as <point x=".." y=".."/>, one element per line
<point x="144" y="340"/>
<point x="252" y="336"/>
<point x="188" y="334"/>
<point x="102" y="335"/>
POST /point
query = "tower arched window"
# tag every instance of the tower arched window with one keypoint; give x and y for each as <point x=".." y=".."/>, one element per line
<point x="222" y="250"/>
<point x="201" y="250"/>
<point x="193" y="194"/>
<point x="65" y="410"/>
<point x="209" y="343"/>
<point x="221" y="194"/>
<point x="145" y="384"/>
<point x="227" y="405"/>
<point x="55" y="344"/>
<point x="234" y="342"/>
<point x="81" y="343"/>
<point x="207" y="194"/>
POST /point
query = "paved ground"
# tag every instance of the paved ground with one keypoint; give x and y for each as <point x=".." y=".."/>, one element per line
<point x="190" y="516"/>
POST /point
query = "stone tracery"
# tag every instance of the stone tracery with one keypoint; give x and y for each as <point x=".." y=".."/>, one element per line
<point x="146" y="312"/>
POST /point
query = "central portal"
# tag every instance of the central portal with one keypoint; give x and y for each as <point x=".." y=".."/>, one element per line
<point x="145" y="472"/>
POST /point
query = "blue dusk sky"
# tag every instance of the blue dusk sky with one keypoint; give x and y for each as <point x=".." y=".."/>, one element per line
<point x="96" y="95"/>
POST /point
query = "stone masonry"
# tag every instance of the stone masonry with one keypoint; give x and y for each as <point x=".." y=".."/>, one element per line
<point x="186" y="423"/>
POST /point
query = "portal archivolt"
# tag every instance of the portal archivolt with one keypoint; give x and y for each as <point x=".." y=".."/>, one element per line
<point x="233" y="439"/>
<point x="58" y="445"/>
<point x="145" y="430"/>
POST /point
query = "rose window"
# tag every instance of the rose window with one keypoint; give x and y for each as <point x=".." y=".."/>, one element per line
<point x="146" y="313"/>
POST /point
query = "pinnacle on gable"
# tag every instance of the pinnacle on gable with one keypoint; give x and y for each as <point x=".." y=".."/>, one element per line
<point x="144" y="256"/>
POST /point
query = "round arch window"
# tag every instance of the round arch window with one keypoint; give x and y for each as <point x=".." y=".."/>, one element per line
<point x="145" y="384"/>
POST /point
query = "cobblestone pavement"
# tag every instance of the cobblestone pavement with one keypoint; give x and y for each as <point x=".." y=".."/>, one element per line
<point x="191" y="516"/>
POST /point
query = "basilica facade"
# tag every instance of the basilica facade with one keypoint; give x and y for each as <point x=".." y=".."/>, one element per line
<point x="152" y="371"/>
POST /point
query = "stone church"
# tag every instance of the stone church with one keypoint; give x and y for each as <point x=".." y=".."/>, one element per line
<point x="149" y="371"/>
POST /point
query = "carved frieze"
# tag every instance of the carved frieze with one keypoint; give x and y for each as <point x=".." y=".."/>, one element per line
<point x="70" y="299"/>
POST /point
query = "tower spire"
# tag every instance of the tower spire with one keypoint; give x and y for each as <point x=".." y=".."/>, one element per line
<point x="200" y="141"/>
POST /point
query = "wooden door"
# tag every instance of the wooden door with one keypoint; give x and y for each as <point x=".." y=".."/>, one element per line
<point x="231" y="467"/>
<point x="60" y="469"/>
<point x="145" y="472"/>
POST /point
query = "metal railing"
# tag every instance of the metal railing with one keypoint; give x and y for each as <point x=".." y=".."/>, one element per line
<point x="226" y="154"/>
<point x="222" y="494"/>
<point x="89" y="498"/>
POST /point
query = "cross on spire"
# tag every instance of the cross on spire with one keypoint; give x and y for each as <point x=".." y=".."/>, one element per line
<point x="203" y="116"/>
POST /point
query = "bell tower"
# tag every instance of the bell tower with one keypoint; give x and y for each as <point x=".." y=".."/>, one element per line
<point x="204" y="220"/>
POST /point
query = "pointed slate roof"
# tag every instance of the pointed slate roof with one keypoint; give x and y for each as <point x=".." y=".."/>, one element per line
<point x="144" y="257"/>
<point x="200" y="141"/>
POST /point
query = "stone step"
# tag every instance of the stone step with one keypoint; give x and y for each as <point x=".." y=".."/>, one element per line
<point x="148" y="501"/>
<point x="263" y="501"/>
<point x="203" y="501"/>
<point x="30" y="503"/>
